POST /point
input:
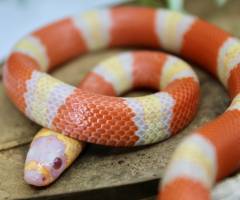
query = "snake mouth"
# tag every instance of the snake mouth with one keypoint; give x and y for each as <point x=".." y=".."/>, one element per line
<point x="35" y="178"/>
<point x="36" y="174"/>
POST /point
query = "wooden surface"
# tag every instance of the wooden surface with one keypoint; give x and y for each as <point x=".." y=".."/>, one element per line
<point x="101" y="167"/>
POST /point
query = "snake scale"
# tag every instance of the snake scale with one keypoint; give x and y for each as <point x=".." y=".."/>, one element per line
<point x="93" y="113"/>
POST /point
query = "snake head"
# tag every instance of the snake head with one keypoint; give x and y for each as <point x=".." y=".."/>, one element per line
<point x="49" y="155"/>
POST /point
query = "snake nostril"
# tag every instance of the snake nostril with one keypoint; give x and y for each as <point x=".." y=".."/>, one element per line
<point x="57" y="163"/>
<point x="43" y="178"/>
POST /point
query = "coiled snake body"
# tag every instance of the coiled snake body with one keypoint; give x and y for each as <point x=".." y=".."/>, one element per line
<point x="90" y="113"/>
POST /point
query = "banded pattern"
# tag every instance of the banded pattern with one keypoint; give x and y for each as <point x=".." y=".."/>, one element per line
<point x="34" y="48"/>
<point x="228" y="59"/>
<point x="171" y="28"/>
<point x="43" y="108"/>
<point x="152" y="127"/>
<point x="116" y="70"/>
<point x="126" y="122"/>
<point x="235" y="105"/>
<point x="194" y="160"/>
<point x="148" y="120"/>
<point x="174" y="69"/>
<point x="94" y="26"/>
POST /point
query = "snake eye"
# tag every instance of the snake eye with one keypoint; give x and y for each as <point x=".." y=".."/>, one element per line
<point x="57" y="163"/>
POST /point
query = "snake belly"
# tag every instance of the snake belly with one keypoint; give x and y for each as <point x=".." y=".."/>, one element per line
<point x="207" y="155"/>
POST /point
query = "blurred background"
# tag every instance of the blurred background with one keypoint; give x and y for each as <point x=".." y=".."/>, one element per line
<point x="19" y="17"/>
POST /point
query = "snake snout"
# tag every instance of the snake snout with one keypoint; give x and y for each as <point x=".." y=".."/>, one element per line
<point x="34" y="177"/>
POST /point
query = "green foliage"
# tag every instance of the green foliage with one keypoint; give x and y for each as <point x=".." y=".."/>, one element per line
<point x="151" y="3"/>
<point x="220" y="2"/>
<point x="172" y="4"/>
<point x="175" y="4"/>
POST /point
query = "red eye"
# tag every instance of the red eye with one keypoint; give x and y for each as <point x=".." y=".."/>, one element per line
<point x="57" y="163"/>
